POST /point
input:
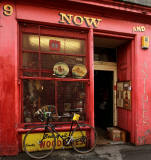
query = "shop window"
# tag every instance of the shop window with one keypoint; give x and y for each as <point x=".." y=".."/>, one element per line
<point x="41" y="50"/>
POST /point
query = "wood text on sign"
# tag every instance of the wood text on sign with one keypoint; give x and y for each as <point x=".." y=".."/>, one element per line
<point x="79" y="20"/>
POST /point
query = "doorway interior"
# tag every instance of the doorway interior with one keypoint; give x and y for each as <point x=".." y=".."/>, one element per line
<point x="103" y="98"/>
<point x="105" y="78"/>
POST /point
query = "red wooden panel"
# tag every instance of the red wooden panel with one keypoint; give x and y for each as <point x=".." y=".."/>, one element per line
<point x="124" y="62"/>
<point x="124" y="119"/>
<point x="8" y="84"/>
<point x="124" y="74"/>
<point x="54" y="31"/>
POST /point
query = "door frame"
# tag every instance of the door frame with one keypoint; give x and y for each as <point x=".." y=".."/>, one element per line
<point x="109" y="66"/>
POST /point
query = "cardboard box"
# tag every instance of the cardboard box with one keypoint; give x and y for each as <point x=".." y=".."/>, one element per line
<point x="116" y="134"/>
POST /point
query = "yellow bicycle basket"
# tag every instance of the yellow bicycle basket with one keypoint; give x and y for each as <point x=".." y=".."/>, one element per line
<point x="76" y="117"/>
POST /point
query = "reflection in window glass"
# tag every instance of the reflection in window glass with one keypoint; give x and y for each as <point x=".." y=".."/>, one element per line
<point x="30" y="42"/>
<point x="74" y="46"/>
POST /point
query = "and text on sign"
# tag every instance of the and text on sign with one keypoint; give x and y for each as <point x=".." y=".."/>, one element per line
<point x="139" y="29"/>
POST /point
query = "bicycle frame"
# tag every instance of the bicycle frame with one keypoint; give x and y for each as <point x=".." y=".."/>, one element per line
<point x="58" y="134"/>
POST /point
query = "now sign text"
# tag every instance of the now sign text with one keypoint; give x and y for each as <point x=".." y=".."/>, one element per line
<point x="79" y="20"/>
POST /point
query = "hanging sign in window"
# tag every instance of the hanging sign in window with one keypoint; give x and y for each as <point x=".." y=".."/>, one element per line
<point x="54" y="45"/>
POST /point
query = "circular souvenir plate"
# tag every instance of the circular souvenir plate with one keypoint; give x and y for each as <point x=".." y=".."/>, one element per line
<point x="61" y="69"/>
<point x="79" y="71"/>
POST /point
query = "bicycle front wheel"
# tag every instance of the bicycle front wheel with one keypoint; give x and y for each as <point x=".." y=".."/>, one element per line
<point x="84" y="138"/>
<point x="39" y="145"/>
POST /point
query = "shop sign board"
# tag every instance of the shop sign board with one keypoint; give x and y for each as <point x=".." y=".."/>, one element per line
<point x="48" y="142"/>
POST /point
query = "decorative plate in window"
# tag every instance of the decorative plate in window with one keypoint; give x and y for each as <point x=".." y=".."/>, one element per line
<point x="79" y="71"/>
<point x="61" y="69"/>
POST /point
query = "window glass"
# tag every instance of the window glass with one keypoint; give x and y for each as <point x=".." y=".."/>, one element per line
<point x="30" y="42"/>
<point x="62" y="45"/>
<point x="37" y="62"/>
<point x="30" y="60"/>
<point x="105" y="54"/>
<point x="36" y="94"/>
<point x="71" y="98"/>
<point x="74" y="46"/>
<point x="31" y="74"/>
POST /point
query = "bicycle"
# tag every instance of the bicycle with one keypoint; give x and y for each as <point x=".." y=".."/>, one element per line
<point x="82" y="137"/>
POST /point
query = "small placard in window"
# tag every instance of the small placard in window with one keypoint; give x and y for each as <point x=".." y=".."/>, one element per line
<point x="54" y="45"/>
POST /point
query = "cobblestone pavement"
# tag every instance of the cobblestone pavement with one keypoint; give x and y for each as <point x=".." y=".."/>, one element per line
<point x="106" y="152"/>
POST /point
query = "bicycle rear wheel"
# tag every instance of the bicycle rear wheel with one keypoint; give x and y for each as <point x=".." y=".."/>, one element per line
<point x="39" y="145"/>
<point x="84" y="138"/>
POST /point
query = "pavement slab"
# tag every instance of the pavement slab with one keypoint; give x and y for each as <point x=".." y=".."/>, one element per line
<point x="101" y="152"/>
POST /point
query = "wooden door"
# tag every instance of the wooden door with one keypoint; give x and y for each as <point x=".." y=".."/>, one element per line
<point x="124" y="69"/>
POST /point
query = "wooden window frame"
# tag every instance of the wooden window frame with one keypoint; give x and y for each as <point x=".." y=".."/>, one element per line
<point x="67" y="33"/>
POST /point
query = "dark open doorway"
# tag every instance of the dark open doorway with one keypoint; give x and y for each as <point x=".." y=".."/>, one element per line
<point x="103" y="98"/>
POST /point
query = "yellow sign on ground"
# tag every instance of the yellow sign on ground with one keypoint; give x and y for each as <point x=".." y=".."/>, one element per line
<point x="32" y="141"/>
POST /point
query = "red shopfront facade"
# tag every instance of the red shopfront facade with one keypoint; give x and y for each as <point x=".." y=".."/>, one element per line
<point x="37" y="37"/>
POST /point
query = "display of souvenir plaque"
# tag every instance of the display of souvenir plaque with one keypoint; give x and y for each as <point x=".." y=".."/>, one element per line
<point x="61" y="69"/>
<point x="79" y="71"/>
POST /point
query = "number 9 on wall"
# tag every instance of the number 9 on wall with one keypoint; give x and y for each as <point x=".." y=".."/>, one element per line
<point x="7" y="10"/>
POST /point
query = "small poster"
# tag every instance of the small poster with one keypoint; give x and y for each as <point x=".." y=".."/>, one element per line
<point x="127" y="95"/>
<point x="124" y="94"/>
